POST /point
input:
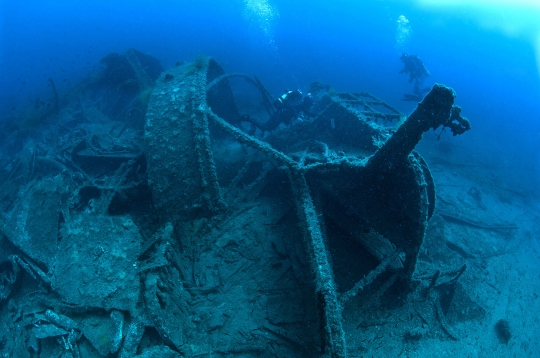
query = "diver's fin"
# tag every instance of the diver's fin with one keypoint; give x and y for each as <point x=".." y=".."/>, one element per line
<point x="411" y="97"/>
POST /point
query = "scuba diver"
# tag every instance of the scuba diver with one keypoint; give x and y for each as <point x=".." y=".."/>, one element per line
<point x="418" y="73"/>
<point x="288" y="107"/>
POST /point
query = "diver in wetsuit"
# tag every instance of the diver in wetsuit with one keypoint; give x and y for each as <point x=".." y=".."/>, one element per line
<point x="288" y="107"/>
<point x="418" y="73"/>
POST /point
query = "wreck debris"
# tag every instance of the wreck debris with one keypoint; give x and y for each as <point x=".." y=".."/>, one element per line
<point x="368" y="102"/>
<point x="32" y="269"/>
<point x="8" y="277"/>
<point x="47" y="330"/>
<point x="325" y="288"/>
<point x="443" y="297"/>
<point x="95" y="325"/>
<point x="112" y="256"/>
<point x="468" y="221"/>
<point x="393" y="157"/>
<point x="181" y="171"/>
<point x="32" y="345"/>
<point x="368" y="280"/>
<point x="131" y="341"/>
<point x="61" y="320"/>
<point x="433" y="112"/>
<point x="118" y="331"/>
<point x="54" y="325"/>
<point x="442" y="319"/>
<point x="139" y="238"/>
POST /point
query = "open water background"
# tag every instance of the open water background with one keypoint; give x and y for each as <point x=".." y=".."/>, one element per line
<point x="485" y="52"/>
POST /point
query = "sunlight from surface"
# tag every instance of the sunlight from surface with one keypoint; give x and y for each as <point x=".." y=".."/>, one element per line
<point x="261" y="12"/>
<point x="511" y="17"/>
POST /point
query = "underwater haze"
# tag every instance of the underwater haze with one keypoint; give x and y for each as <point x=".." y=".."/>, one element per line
<point x="485" y="52"/>
<point x="336" y="204"/>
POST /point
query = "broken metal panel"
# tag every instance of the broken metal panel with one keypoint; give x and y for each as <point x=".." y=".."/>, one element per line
<point x="103" y="330"/>
<point x="164" y="293"/>
<point x="369" y="106"/>
<point x="33" y="224"/>
<point x="181" y="169"/>
<point x="100" y="271"/>
<point x="344" y="125"/>
<point x="340" y="126"/>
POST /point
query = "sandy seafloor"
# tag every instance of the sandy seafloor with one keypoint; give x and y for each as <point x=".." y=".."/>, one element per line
<point x="503" y="266"/>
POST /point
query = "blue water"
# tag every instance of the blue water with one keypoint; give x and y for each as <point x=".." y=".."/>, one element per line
<point x="485" y="54"/>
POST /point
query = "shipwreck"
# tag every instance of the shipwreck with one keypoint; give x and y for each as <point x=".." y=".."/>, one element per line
<point x="148" y="221"/>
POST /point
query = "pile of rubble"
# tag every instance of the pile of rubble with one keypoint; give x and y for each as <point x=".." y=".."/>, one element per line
<point x="137" y="220"/>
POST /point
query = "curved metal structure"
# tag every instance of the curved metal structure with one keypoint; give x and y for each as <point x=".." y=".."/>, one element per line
<point x="345" y="171"/>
